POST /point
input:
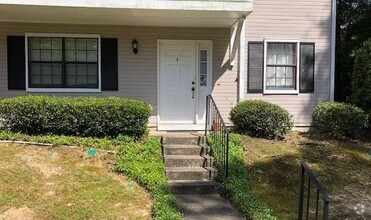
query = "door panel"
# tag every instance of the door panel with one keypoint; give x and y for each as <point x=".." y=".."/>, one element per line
<point x="177" y="72"/>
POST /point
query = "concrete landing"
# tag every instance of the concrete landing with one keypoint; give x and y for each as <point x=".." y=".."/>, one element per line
<point x="196" y="207"/>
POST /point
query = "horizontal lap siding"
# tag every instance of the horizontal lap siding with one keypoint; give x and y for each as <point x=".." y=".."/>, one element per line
<point x="137" y="73"/>
<point x="311" y="22"/>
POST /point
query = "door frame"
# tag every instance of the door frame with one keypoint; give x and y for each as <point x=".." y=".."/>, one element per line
<point x="196" y="125"/>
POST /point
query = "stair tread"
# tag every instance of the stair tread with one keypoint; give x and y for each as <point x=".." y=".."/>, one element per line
<point x="192" y="183"/>
<point x="184" y="157"/>
<point x="182" y="146"/>
<point x="186" y="169"/>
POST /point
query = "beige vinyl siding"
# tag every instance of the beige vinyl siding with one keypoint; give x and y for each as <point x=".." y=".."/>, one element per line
<point x="137" y="73"/>
<point x="310" y="21"/>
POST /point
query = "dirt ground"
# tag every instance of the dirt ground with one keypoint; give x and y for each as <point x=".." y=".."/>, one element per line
<point x="66" y="183"/>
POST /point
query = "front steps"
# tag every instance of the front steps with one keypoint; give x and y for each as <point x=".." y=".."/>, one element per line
<point x="189" y="168"/>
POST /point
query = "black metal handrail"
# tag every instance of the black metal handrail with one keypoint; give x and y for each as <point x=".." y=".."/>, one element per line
<point x="320" y="190"/>
<point x="218" y="134"/>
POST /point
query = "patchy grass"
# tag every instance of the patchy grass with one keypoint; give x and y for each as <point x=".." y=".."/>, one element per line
<point x="65" y="183"/>
<point x="343" y="168"/>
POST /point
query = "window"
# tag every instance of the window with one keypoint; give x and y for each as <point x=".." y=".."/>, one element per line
<point x="281" y="66"/>
<point x="63" y="63"/>
<point x="203" y="67"/>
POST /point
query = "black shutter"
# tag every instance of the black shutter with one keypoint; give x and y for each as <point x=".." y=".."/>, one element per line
<point x="255" y="67"/>
<point x="109" y="64"/>
<point x="16" y="63"/>
<point x="306" y="77"/>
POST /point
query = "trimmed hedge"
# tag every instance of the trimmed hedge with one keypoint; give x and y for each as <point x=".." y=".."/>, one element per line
<point x="339" y="119"/>
<point x="259" y="118"/>
<point x="82" y="116"/>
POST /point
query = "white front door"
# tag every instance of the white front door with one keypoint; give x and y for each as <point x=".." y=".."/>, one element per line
<point x="177" y="78"/>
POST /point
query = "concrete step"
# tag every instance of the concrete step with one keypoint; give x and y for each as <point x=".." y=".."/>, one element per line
<point x="188" y="161"/>
<point x="191" y="173"/>
<point x="184" y="150"/>
<point x="193" y="187"/>
<point x="181" y="140"/>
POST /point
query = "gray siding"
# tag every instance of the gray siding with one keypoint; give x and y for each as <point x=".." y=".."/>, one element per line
<point x="137" y="73"/>
<point x="311" y="22"/>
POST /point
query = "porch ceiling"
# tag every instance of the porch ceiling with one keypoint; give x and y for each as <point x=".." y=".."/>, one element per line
<point x="186" y="17"/>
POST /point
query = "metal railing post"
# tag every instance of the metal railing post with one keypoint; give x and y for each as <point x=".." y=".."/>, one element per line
<point x="300" y="215"/>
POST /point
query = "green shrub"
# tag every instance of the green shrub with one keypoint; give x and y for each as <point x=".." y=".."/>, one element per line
<point x="143" y="162"/>
<point x="237" y="186"/>
<point x="361" y="77"/>
<point x="339" y="119"/>
<point x="83" y="116"/>
<point x="258" y="118"/>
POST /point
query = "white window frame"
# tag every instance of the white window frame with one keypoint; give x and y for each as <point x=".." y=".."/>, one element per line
<point x="283" y="91"/>
<point x="64" y="90"/>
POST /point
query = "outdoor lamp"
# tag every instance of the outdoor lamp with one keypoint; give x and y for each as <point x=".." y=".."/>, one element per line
<point x="134" y="43"/>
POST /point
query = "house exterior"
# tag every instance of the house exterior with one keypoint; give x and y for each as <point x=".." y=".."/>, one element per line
<point x="281" y="51"/>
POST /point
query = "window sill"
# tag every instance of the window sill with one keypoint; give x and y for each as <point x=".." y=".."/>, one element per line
<point x="62" y="90"/>
<point x="281" y="92"/>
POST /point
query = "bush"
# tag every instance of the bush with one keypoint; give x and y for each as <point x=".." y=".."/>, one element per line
<point x="143" y="162"/>
<point x="237" y="186"/>
<point x="258" y="118"/>
<point x="339" y="119"/>
<point x="361" y="77"/>
<point x="83" y="116"/>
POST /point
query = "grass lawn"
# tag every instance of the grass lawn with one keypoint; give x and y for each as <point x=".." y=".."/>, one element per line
<point x="343" y="168"/>
<point x="65" y="183"/>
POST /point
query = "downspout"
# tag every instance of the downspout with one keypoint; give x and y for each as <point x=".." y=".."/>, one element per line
<point x="333" y="45"/>
<point x="241" y="62"/>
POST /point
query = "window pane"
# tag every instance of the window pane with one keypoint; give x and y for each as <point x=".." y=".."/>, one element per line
<point x="203" y="68"/>
<point x="46" y="43"/>
<point x="46" y="69"/>
<point x="80" y="44"/>
<point x="35" y="69"/>
<point x="57" y="43"/>
<point x="81" y="80"/>
<point x="57" y="55"/>
<point x="81" y="56"/>
<point x="92" y="56"/>
<point x="70" y="81"/>
<point x="271" y="82"/>
<point x="203" y="55"/>
<point x="35" y="80"/>
<point x="92" y="44"/>
<point x="35" y="55"/>
<point x="271" y="71"/>
<point x="289" y="82"/>
<point x="34" y="42"/>
<point x="46" y="80"/>
<point x="203" y="80"/>
<point x="81" y="69"/>
<point x="92" y="70"/>
<point x="70" y="56"/>
<point x="70" y="44"/>
<point x="70" y="69"/>
<point x="280" y="82"/>
<point x="92" y="80"/>
<point x="57" y="69"/>
<point x="290" y="72"/>
<point x="46" y="55"/>
<point x="281" y="72"/>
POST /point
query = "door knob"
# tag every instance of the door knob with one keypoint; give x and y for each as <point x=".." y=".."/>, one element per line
<point x="193" y="92"/>
<point x="193" y="82"/>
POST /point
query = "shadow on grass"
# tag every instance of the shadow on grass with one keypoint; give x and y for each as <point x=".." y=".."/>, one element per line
<point x="343" y="168"/>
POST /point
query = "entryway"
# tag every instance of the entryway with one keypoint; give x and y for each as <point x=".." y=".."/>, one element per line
<point x="184" y="81"/>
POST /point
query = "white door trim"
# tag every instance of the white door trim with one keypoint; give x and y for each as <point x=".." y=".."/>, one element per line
<point x="196" y="126"/>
